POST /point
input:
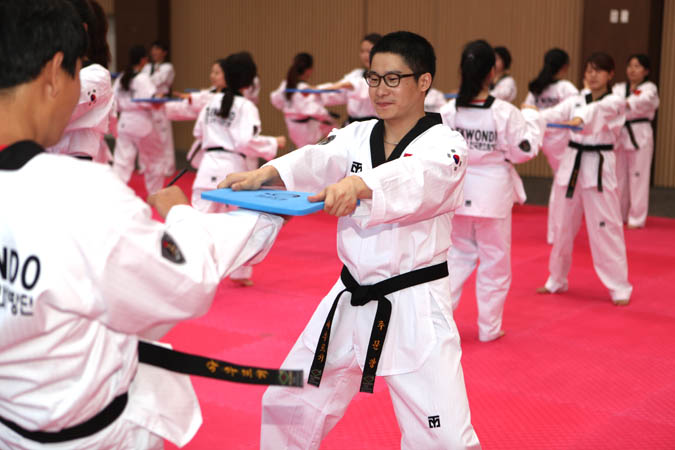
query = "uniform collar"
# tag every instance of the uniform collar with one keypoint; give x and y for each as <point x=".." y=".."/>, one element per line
<point x="377" y="138"/>
<point x="481" y="104"/>
<point x="589" y="97"/>
<point x="15" y="156"/>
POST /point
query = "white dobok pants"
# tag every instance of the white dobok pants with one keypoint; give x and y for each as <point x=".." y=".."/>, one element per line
<point x="149" y="149"/>
<point x="605" y="235"/>
<point x="163" y="125"/>
<point x="485" y="242"/>
<point x="299" y="418"/>
<point x="633" y="170"/>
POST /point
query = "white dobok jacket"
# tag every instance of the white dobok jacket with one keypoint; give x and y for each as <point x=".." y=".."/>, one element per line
<point x="405" y="226"/>
<point x="85" y="273"/>
<point x="642" y="103"/>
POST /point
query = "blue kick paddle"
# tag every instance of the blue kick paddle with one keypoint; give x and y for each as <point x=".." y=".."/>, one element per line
<point x="273" y="201"/>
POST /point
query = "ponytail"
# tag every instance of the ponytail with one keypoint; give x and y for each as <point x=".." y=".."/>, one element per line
<point x="301" y="63"/>
<point x="239" y="70"/>
<point x="554" y="60"/>
<point x="477" y="61"/>
<point x="136" y="54"/>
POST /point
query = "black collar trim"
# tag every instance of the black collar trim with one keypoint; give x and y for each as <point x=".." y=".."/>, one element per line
<point x="589" y="97"/>
<point x="377" y="138"/>
<point x="484" y="105"/>
<point x="18" y="154"/>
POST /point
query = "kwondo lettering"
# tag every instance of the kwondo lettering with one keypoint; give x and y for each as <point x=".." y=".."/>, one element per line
<point x="17" y="277"/>
<point x="482" y="140"/>
<point x="546" y="102"/>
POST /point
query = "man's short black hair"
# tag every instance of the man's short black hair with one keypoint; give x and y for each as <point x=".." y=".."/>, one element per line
<point x="416" y="51"/>
<point x="32" y="32"/>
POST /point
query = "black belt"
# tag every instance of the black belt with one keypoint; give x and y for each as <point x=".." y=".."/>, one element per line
<point x="101" y="420"/>
<point x="174" y="361"/>
<point x="221" y="149"/>
<point x="630" y="129"/>
<point x="362" y="295"/>
<point x="309" y="119"/>
<point x="581" y="148"/>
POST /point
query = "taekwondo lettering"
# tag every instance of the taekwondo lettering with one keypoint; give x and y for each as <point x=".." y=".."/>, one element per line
<point x="213" y="117"/>
<point x="546" y="102"/>
<point x="482" y="140"/>
<point x="356" y="167"/>
<point x="434" y="421"/>
<point x="17" y="278"/>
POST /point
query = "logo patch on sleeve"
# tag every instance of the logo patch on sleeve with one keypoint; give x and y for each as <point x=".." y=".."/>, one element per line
<point x="170" y="250"/>
<point x="326" y="140"/>
<point x="525" y="146"/>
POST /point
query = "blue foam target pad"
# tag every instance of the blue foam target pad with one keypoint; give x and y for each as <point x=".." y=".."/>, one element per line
<point x="273" y="201"/>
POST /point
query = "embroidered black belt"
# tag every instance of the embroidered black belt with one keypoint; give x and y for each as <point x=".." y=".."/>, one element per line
<point x="101" y="420"/>
<point x="362" y="295"/>
<point x="581" y="148"/>
<point x="221" y="149"/>
<point x="173" y="361"/>
<point x="630" y="129"/>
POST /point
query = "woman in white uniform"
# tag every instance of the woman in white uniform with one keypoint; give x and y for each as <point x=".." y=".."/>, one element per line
<point x="547" y="90"/>
<point x="229" y="130"/>
<point x="635" y="147"/>
<point x="354" y="87"/>
<point x="307" y="120"/>
<point x="503" y="86"/>
<point x="83" y="137"/>
<point x="498" y="135"/>
<point x="586" y="180"/>
<point x="135" y="131"/>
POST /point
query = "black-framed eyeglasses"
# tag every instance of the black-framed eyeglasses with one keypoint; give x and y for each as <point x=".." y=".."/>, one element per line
<point x="391" y="79"/>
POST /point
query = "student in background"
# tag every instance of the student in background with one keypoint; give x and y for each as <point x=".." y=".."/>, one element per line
<point x="547" y="90"/>
<point x="504" y="86"/>
<point x="498" y="135"/>
<point x="586" y="181"/>
<point x="306" y="118"/>
<point x="635" y="147"/>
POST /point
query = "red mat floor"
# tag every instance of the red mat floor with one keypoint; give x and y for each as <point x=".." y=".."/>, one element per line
<point x="572" y="372"/>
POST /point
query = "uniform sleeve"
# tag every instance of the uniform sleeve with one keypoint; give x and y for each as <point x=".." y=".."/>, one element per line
<point x="152" y="275"/>
<point x="523" y="133"/>
<point x="313" y="167"/>
<point x="333" y="98"/>
<point x="95" y="90"/>
<point x="164" y="75"/>
<point x="567" y="90"/>
<point x="505" y="90"/>
<point x="646" y="102"/>
<point x="418" y="187"/>
<point x="198" y="130"/>
<point x="278" y="98"/>
<point x="559" y="113"/>
<point x="605" y="114"/>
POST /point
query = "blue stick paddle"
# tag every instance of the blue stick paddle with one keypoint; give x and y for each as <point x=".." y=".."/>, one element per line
<point x="563" y="125"/>
<point x="313" y="91"/>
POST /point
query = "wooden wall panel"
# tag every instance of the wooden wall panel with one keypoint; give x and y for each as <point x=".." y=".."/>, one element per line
<point x="273" y="31"/>
<point x="664" y="156"/>
<point x="108" y="6"/>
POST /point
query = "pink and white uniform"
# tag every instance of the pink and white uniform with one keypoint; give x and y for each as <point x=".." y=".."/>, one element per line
<point x="593" y="194"/>
<point x="307" y="119"/>
<point x="91" y="119"/>
<point x="358" y="102"/>
<point x="505" y="88"/>
<point x="434" y="101"/>
<point x="162" y="76"/>
<point x="555" y="139"/>
<point x="498" y="135"/>
<point x="634" y="152"/>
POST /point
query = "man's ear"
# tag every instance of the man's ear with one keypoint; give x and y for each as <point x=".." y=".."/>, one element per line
<point x="52" y="73"/>
<point x="424" y="81"/>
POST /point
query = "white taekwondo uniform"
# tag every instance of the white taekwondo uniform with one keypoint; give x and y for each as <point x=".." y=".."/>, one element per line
<point x="555" y="139"/>
<point x="359" y="106"/>
<point x="498" y="134"/>
<point x="404" y="227"/>
<point x="505" y="88"/>
<point x="593" y="195"/>
<point x="136" y="133"/>
<point x="83" y="136"/>
<point x="84" y="274"/>
<point x="634" y="154"/>
<point x="162" y="76"/>
<point x="307" y="119"/>
<point x="228" y="146"/>
<point x="434" y="101"/>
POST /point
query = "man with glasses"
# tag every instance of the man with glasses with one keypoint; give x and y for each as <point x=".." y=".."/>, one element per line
<point x="389" y="313"/>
